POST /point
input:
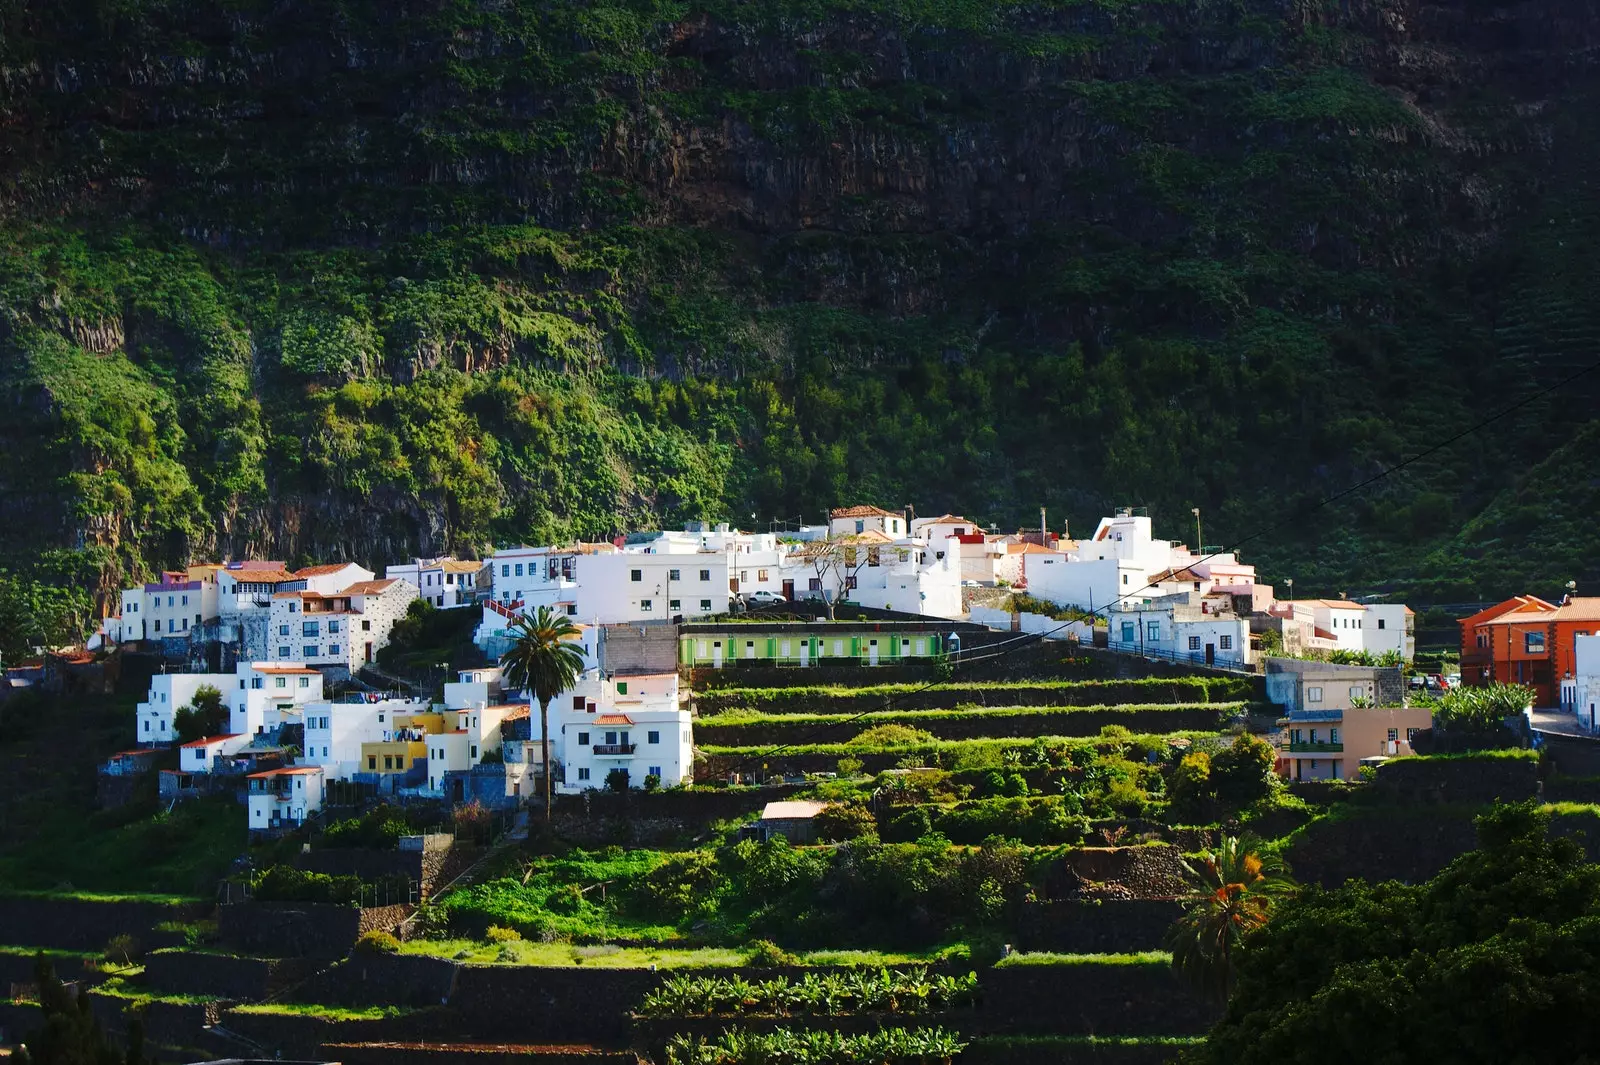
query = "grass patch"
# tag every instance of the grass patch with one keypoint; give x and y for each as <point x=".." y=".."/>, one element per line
<point x="1075" y="1042"/>
<point x="118" y="987"/>
<point x="613" y="956"/>
<point x="325" y="1013"/>
<point x="1043" y="957"/>
<point x="1501" y="754"/>
<point x="69" y="895"/>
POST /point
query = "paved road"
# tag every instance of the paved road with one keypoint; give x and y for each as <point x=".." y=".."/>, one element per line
<point x="1559" y="723"/>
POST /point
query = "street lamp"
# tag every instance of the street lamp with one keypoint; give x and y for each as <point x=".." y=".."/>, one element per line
<point x="1199" y="542"/>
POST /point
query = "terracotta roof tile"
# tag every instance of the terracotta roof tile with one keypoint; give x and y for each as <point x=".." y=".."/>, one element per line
<point x="322" y="571"/>
<point x="369" y="587"/>
<point x="863" y="512"/>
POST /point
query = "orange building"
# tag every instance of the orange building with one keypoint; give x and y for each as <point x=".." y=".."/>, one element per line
<point x="1526" y="640"/>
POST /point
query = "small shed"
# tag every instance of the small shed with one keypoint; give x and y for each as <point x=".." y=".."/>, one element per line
<point x="793" y="819"/>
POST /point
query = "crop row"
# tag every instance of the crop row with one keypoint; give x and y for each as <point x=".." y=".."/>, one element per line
<point x="746" y="729"/>
<point x="800" y="700"/>
<point x="890" y="1046"/>
<point x="884" y="990"/>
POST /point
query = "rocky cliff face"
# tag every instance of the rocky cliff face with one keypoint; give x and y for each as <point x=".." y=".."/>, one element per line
<point x="357" y="279"/>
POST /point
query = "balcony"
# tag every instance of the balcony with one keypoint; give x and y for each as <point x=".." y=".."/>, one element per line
<point x="614" y="748"/>
<point x="1320" y="747"/>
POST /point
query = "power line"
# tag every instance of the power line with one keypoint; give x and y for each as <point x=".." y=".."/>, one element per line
<point x="1032" y="638"/>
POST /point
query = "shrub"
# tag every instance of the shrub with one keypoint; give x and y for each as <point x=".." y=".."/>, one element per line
<point x="122" y="950"/>
<point x="765" y="954"/>
<point x="838" y="822"/>
<point x="849" y="767"/>
<point x="497" y="934"/>
<point x="283" y="883"/>
<point x="1242" y="773"/>
<point x="376" y="942"/>
<point x="617" y="780"/>
<point x="652" y="782"/>
<point x="1191" y="788"/>
<point x="892" y="736"/>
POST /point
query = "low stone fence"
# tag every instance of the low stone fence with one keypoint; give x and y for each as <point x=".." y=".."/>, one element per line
<point x="1090" y="999"/>
<point x="81" y="924"/>
<point x="1096" y="926"/>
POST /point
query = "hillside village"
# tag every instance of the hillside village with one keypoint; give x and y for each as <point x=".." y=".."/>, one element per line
<point x="1063" y="720"/>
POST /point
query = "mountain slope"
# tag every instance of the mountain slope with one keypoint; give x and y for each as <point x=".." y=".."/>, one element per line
<point x="352" y="279"/>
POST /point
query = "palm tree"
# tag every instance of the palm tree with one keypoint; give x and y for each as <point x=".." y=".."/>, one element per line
<point x="542" y="660"/>
<point x="1233" y="890"/>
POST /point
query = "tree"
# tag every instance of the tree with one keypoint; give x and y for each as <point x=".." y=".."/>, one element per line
<point x="1233" y="890"/>
<point x="836" y="561"/>
<point x="1471" y="718"/>
<point x="617" y="780"/>
<point x="1494" y="960"/>
<point x="1242" y="773"/>
<point x="542" y="660"/>
<point x="70" y="1034"/>
<point x="206" y="715"/>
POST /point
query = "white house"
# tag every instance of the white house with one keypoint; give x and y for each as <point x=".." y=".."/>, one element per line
<point x="343" y="629"/>
<point x="634" y="723"/>
<point x="1580" y="693"/>
<point x="268" y="694"/>
<point x="445" y="582"/>
<point x="1204" y="633"/>
<point x="1389" y="627"/>
<point x="847" y="521"/>
<point x="282" y="799"/>
<point x="330" y="578"/>
<point x="197" y="756"/>
<point x="335" y="731"/>
<point x="1339" y="619"/>
<point x="170" y="692"/>
<point x="469" y="733"/>
<point x="180" y="602"/>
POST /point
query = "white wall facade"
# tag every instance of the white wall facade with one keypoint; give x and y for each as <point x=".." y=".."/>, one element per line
<point x="447" y="583"/>
<point x="281" y="798"/>
<point x="1177" y="634"/>
<point x="266" y="694"/>
<point x="633" y="722"/>
<point x="196" y="757"/>
<point x="335" y="731"/>
<point x="168" y="693"/>
<point x="1389" y="627"/>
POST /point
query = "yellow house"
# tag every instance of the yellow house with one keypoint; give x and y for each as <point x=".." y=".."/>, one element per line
<point x="405" y="747"/>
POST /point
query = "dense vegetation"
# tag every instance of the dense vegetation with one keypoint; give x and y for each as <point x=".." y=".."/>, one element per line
<point x="1494" y="959"/>
<point x="356" y="279"/>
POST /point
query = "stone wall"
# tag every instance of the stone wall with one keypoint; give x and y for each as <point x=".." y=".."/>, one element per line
<point x="238" y="978"/>
<point x="473" y="1054"/>
<point x="1147" y="871"/>
<point x="289" y="929"/>
<point x="698" y="806"/>
<point x="73" y="924"/>
<point x="1096" y="926"/>
<point x="1411" y="781"/>
<point x="1002" y="1051"/>
<point x="383" y="979"/>
<point x="1108" y="693"/>
<point x="1090" y="999"/>
<point x="1382" y="844"/>
<point x="1080" y="722"/>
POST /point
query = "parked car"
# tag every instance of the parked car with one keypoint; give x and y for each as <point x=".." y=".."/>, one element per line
<point x="763" y="598"/>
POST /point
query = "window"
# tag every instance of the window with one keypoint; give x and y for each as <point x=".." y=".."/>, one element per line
<point x="583" y="773"/>
<point x="622" y="687"/>
<point x="705" y="604"/>
<point x="652" y="736"/>
<point x="309" y="628"/>
<point x="280" y="682"/>
<point x="1411" y="734"/>
<point x="147" y="726"/>
<point x="310" y="650"/>
<point x="1194" y="643"/>
<point x="169" y="600"/>
<point x="1333" y="735"/>
<point x="519" y="569"/>
<point x="814" y="584"/>
<point x="158" y="624"/>
<point x="293" y="607"/>
<point x="705" y="575"/>
<point x="366" y="626"/>
<point x="611" y="739"/>
<point x="259" y="682"/>
<point x="1128" y="633"/>
<point x="1225" y="642"/>
<point x="1152" y="630"/>
<point x="674" y="606"/>
<point x="333" y="627"/>
<point x="1382" y="623"/>
<point x="1394" y="735"/>
<point x="305" y="682"/>
<point x="583" y="739"/>
<point x="850" y="581"/>
<point x="505" y="569"/>
<point x="572" y="609"/>
<point x="674" y="575"/>
<point x="655" y="771"/>
<point x="473" y="751"/>
<point x="744" y="576"/>
<point x="861" y="526"/>
<point x="283" y="630"/>
<point x="1357" y="692"/>
<point x="333" y="648"/>
<point x="761" y="574"/>
<point x="636" y="575"/>
<point x="1483" y="639"/>
<point x="1124" y="578"/>
<point x="1313" y="694"/>
<point x="283" y="651"/>
<point x="241" y="684"/>
<point x="1533" y="642"/>
<point x="185" y="600"/>
<point x="577" y="702"/>
<point x="645" y="606"/>
<point x="372" y="761"/>
<point x="388" y="761"/>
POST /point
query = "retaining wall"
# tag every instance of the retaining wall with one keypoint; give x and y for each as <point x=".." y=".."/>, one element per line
<point x="242" y="979"/>
<point x="1457" y="780"/>
<point x="289" y="929"/>
<point x="1096" y="926"/>
<point x="1084" y="722"/>
<point x="1107" y="693"/>
<point x="1001" y="1051"/>
<point x="1090" y="999"/>
<point x="73" y="924"/>
<point x="1382" y="844"/>
<point x="1151" y="870"/>
<point x="474" y="1054"/>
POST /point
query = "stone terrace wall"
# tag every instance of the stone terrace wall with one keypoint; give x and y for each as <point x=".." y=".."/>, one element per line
<point x="1457" y="780"/>
<point x="1151" y="870"/>
<point x="289" y="929"/>
<point x="1090" y="999"/>
<point x="1109" y="693"/>
<point x="1083" y="722"/>
<point x="242" y="979"/>
<point x="473" y="1054"/>
<point x="72" y="924"/>
<point x="1002" y="1051"/>
<point x="1096" y="926"/>
<point x="383" y="979"/>
<point x="1382" y="844"/>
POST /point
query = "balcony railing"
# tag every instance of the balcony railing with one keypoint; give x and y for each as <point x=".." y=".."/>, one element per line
<point x="1320" y="747"/>
<point x="614" y="748"/>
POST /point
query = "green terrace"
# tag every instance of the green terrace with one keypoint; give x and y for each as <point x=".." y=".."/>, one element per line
<point x="735" y="728"/>
<point x="843" y="699"/>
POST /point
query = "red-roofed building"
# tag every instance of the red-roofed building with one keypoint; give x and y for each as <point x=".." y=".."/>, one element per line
<point x="338" y="629"/>
<point x="847" y="520"/>
<point x="1510" y="643"/>
<point x="281" y="800"/>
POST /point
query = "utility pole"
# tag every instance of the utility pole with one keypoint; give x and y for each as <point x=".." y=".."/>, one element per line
<point x="1199" y="542"/>
<point x="1044" y="530"/>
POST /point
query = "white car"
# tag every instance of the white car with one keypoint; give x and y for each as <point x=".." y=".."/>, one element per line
<point x="763" y="598"/>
